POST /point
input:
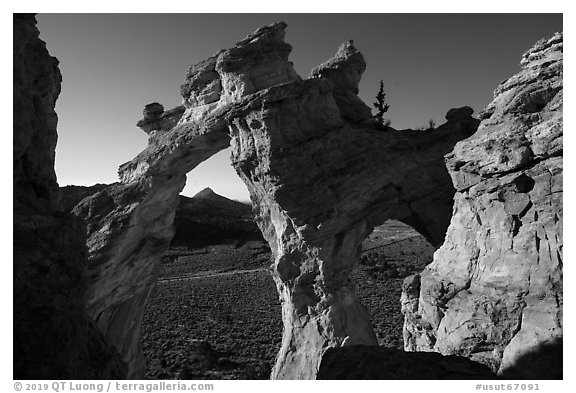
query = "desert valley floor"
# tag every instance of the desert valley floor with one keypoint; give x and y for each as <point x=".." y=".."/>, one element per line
<point x="215" y="313"/>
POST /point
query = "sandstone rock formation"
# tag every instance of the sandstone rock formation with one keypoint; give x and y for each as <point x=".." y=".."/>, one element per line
<point x="320" y="176"/>
<point x="494" y="290"/>
<point x="54" y="338"/>
<point x="345" y="70"/>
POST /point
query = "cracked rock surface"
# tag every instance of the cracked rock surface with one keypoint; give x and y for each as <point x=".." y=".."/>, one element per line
<point x="494" y="290"/>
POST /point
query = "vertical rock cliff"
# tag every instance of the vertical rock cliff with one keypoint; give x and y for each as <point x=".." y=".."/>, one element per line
<point x="54" y="338"/>
<point x="494" y="290"/>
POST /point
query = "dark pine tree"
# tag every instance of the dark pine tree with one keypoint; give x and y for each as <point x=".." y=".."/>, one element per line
<point x="382" y="107"/>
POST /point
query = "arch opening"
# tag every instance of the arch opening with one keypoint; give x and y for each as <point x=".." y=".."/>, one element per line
<point x="392" y="252"/>
<point x="214" y="312"/>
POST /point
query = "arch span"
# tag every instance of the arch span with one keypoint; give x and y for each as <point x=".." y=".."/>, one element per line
<point x="320" y="175"/>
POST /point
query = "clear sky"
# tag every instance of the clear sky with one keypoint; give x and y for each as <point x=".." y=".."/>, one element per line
<point x="114" y="64"/>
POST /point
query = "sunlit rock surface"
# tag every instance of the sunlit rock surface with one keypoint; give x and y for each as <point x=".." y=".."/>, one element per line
<point x="320" y="178"/>
<point x="494" y="290"/>
<point x="156" y="119"/>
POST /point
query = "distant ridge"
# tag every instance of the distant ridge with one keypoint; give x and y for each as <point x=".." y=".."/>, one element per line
<point x="209" y="218"/>
<point x="208" y="199"/>
<point x="206" y="218"/>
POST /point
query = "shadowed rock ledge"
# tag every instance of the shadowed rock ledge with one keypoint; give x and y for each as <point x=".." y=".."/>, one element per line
<point x="373" y="362"/>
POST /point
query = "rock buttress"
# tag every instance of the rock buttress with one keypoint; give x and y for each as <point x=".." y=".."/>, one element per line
<point x="494" y="290"/>
<point x="54" y="338"/>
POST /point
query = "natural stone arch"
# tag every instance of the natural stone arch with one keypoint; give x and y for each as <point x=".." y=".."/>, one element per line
<point x="320" y="178"/>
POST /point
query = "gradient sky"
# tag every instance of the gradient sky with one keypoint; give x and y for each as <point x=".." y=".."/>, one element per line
<point x="114" y="64"/>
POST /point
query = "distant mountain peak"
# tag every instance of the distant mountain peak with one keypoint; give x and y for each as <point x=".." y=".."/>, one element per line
<point x="205" y="193"/>
<point x="207" y="202"/>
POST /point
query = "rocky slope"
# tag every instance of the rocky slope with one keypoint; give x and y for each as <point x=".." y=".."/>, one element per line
<point x="494" y="290"/>
<point x="209" y="218"/>
<point x="54" y="338"/>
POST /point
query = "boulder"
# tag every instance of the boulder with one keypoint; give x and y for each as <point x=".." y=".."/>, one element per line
<point x="156" y="119"/>
<point x="379" y="363"/>
<point x="457" y="114"/>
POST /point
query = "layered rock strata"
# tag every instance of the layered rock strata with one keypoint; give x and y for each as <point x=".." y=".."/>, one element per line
<point x="320" y="178"/>
<point x="54" y="338"/>
<point x="494" y="290"/>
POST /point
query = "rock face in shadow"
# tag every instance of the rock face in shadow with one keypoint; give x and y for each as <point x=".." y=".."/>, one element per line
<point x="320" y="176"/>
<point x="54" y="338"/>
<point x="494" y="290"/>
<point x="36" y="87"/>
<point x="373" y="362"/>
<point x="70" y="196"/>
